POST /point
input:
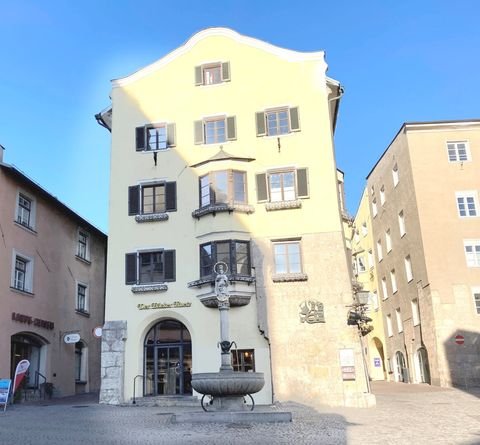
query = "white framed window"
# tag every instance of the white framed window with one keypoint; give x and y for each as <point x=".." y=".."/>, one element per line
<point x="393" y="280"/>
<point x="472" y="252"/>
<point x="212" y="73"/>
<point x="389" y="325"/>
<point x="277" y="121"/>
<point x="153" y="137"/>
<point x="458" y="151"/>
<point x="382" y="195"/>
<point x="415" y="312"/>
<point x="81" y="301"/>
<point x="215" y="130"/>
<point x="287" y="256"/>
<point x="384" y="288"/>
<point x="22" y="272"/>
<point x="83" y="244"/>
<point x="379" y="250"/>
<point x="288" y="184"/>
<point x="467" y="203"/>
<point x="25" y="210"/>
<point x="388" y="241"/>
<point x="395" y="175"/>
<point x="364" y="229"/>
<point x="398" y="316"/>
<point x="374" y="207"/>
<point x="361" y="264"/>
<point x="223" y="187"/>
<point x="476" y="298"/>
<point x="374" y="298"/>
<point x="150" y="267"/>
<point x="401" y="223"/>
<point x="371" y="262"/>
<point x="408" y="268"/>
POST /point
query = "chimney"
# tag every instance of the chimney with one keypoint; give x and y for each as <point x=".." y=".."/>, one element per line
<point x="2" y="148"/>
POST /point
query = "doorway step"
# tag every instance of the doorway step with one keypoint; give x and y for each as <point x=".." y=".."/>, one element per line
<point x="185" y="401"/>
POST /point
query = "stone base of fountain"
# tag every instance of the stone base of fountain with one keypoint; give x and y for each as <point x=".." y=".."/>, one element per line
<point x="228" y="390"/>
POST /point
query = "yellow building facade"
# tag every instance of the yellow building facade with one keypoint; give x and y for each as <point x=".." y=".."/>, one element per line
<point x="364" y="271"/>
<point x="222" y="151"/>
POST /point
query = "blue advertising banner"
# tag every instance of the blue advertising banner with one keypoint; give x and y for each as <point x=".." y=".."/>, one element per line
<point x="4" y="391"/>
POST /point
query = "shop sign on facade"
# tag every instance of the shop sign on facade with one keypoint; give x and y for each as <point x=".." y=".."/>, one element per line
<point x="175" y="304"/>
<point x="21" y="318"/>
<point x="312" y="312"/>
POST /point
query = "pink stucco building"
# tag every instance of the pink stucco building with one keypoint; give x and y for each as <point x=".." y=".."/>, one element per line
<point x="52" y="285"/>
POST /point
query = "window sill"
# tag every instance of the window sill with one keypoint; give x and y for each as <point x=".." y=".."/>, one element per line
<point x="288" y="277"/>
<point x="83" y="260"/>
<point x="23" y="292"/>
<point x="155" y="151"/>
<point x="27" y="228"/>
<point x="82" y="313"/>
<point x="151" y="217"/>
<point x="219" y="208"/>
<point x="211" y="280"/>
<point x="142" y="288"/>
<point x="80" y="382"/>
<point x="283" y="205"/>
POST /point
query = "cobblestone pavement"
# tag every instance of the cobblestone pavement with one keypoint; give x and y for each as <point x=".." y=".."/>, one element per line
<point x="405" y="414"/>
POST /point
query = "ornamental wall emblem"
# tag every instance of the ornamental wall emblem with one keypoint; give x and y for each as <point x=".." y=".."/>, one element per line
<point x="311" y="312"/>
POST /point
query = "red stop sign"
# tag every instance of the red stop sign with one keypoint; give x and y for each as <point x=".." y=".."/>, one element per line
<point x="459" y="339"/>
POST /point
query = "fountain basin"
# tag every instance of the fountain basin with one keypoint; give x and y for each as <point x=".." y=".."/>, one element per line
<point x="228" y="383"/>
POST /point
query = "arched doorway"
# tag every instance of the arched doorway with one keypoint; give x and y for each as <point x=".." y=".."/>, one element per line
<point x="26" y="346"/>
<point x="423" y="367"/>
<point x="402" y="371"/>
<point x="168" y="359"/>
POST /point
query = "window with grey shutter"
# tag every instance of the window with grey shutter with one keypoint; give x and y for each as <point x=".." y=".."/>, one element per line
<point x="231" y="128"/>
<point x="171" y="196"/>
<point x="226" y="71"/>
<point x="302" y="183"/>
<point x="140" y="138"/>
<point x="171" y="135"/>
<point x="198" y="132"/>
<point x="169" y="265"/>
<point x="262" y="193"/>
<point x="198" y="75"/>
<point x="130" y="268"/>
<point x="294" y="119"/>
<point x="134" y="200"/>
<point x="260" y="121"/>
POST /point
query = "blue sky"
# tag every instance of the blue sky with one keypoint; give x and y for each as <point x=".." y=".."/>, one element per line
<point x="398" y="61"/>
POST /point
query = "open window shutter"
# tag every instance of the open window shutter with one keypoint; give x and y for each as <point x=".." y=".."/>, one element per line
<point x="261" y="127"/>
<point x="231" y="128"/>
<point x="134" y="200"/>
<point x="171" y="135"/>
<point x="140" y="138"/>
<point x="171" y="198"/>
<point x="198" y="132"/>
<point x="198" y="75"/>
<point x="302" y="183"/>
<point x="226" y="71"/>
<point x="169" y="259"/>
<point x="130" y="268"/>
<point x="294" y="119"/>
<point x="262" y="193"/>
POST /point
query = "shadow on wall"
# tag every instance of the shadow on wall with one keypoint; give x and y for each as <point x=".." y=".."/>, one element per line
<point x="462" y="351"/>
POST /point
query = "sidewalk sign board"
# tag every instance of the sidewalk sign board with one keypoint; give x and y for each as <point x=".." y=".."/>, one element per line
<point x="4" y="391"/>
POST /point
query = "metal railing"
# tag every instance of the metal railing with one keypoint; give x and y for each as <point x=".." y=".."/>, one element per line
<point x="39" y="375"/>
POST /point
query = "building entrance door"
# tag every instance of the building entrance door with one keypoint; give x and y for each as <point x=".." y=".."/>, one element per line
<point x="402" y="371"/>
<point x="423" y="367"/>
<point x="168" y="360"/>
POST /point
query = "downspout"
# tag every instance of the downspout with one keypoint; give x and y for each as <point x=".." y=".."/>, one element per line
<point x="340" y="94"/>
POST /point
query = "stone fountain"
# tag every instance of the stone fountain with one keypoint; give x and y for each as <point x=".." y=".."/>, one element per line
<point x="226" y="388"/>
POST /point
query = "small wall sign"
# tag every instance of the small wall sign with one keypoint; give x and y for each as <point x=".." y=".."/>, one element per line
<point x="175" y="304"/>
<point x="311" y="312"/>
<point x="71" y="338"/>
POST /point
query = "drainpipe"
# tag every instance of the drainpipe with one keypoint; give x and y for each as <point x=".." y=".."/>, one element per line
<point x="2" y="148"/>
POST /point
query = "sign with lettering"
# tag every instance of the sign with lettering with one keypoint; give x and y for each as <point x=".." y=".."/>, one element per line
<point x="175" y="304"/>
<point x="21" y="318"/>
<point x="4" y="391"/>
<point x="20" y="372"/>
<point x="71" y="338"/>
<point x="376" y="362"/>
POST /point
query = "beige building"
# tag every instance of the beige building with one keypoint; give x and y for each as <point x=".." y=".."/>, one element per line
<point x="423" y="195"/>
<point x="364" y="274"/>
<point x="222" y="151"/>
<point x="52" y="287"/>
